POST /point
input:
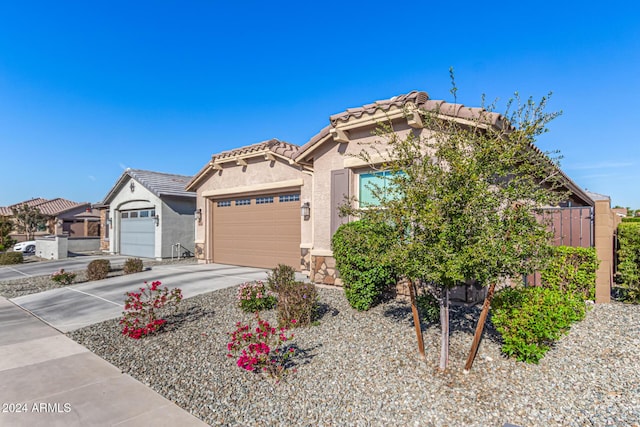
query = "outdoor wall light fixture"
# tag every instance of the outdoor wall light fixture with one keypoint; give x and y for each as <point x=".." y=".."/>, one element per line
<point x="157" y="220"/>
<point x="305" y="210"/>
<point x="198" y="215"/>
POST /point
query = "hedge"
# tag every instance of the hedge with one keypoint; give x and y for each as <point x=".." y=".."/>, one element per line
<point x="628" y="276"/>
<point x="572" y="269"/>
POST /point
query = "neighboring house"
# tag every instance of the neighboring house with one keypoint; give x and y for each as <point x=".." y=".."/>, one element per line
<point x="243" y="194"/>
<point x="150" y="215"/>
<point x="62" y="217"/>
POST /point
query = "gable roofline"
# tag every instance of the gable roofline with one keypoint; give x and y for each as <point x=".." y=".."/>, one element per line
<point x="159" y="183"/>
<point x="270" y="150"/>
<point x="31" y="202"/>
<point x="401" y="106"/>
<point x="405" y="106"/>
<point x="59" y="205"/>
<point x="51" y="207"/>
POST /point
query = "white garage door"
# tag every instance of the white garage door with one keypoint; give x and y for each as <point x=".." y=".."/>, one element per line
<point x="257" y="231"/>
<point x="138" y="233"/>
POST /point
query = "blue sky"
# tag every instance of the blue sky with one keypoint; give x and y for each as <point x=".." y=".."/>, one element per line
<point x="90" y="88"/>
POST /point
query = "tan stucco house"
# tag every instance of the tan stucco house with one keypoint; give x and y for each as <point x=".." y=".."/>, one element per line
<point x="64" y="217"/>
<point x="276" y="202"/>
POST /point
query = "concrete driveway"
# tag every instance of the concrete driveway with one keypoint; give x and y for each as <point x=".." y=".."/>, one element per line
<point x="46" y="267"/>
<point x="77" y="306"/>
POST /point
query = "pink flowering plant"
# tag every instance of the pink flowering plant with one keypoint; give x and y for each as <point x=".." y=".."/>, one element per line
<point x="261" y="348"/>
<point x="256" y="296"/>
<point x="139" y="315"/>
<point x="63" y="277"/>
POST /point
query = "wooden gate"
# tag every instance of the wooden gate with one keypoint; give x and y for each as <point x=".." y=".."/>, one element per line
<point x="571" y="226"/>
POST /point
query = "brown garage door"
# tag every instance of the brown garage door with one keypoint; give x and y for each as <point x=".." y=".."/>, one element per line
<point x="257" y="231"/>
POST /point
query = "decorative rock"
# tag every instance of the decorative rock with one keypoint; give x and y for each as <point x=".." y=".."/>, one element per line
<point x="363" y="369"/>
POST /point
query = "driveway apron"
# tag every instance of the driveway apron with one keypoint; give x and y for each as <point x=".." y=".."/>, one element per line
<point x="77" y="306"/>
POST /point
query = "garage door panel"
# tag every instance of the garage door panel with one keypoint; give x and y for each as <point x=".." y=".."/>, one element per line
<point x="258" y="235"/>
<point x="137" y="237"/>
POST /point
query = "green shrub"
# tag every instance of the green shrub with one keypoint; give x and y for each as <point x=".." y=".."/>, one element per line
<point x="359" y="249"/>
<point x="429" y="307"/>
<point x="531" y="319"/>
<point x="8" y="258"/>
<point x="282" y="275"/>
<point x="572" y="269"/>
<point x="631" y="219"/>
<point x="628" y="276"/>
<point x="297" y="304"/>
<point x="255" y="296"/>
<point x="62" y="277"/>
<point x="132" y="265"/>
<point x="98" y="269"/>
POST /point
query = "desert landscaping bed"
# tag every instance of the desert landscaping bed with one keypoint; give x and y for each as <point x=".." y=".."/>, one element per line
<point x="31" y="285"/>
<point x="363" y="369"/>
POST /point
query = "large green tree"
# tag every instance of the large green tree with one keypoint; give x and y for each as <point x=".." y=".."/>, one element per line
<point x="6" y="227"/>
<point x="462" y="197"/>
<point x="28" y="219"/>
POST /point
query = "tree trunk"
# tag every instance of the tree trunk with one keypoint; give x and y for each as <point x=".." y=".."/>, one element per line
<point x="416" y="318"/>
<point x="480" y="327"/>
<point x="444" y="329"/>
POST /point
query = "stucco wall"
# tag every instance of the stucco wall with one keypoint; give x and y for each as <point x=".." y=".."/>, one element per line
<point x="258" y="176"/>
<point x="52" y="247"/>
<point x="177" y="225"/>
<point x="336" y="156"/>
<point x="83" y="244"/>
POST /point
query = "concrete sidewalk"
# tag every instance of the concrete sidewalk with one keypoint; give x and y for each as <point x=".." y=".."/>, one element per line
<point x="46" y="379"/>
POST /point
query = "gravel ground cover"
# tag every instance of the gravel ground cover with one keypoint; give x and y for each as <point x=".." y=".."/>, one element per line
<point x="362" y="369"/>
<point x="32" y="285"/>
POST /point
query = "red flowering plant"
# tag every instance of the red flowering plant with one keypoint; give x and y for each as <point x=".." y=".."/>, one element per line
<point x="262" y="348"/>
<point x="139" y="315"/>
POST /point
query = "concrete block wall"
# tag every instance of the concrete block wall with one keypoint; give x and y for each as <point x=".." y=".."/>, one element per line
<point x="83" y="244"/>
<point x="606" y="222"/>
<point x="55" y="247"/>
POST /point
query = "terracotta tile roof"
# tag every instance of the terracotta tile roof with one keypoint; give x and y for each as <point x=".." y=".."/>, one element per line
<point x="418" y="99"/>
<point x="47" y="207"/>
<point x="31" y="202"/>
<point x="57" y="206"/>
<point x="274" y="145"/>
<point x="415" y="97"/>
